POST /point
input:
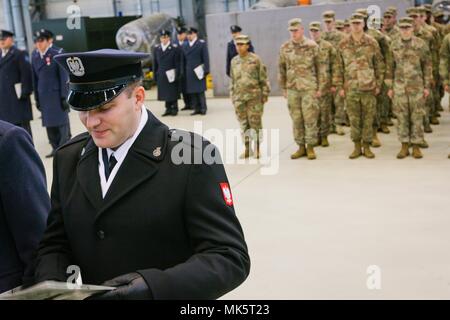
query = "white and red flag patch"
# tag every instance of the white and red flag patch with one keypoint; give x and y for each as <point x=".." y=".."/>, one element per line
<point x="226" y="192"/>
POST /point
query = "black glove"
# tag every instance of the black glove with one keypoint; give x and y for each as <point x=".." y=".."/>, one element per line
<point x="130" y="286"/>
<point x="64" y="105"/>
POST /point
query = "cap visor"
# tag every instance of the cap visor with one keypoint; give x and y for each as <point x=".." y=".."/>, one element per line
<point x="90" y="100"/>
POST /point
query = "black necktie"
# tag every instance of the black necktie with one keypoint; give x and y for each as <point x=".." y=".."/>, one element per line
<point x="108" y="163"/>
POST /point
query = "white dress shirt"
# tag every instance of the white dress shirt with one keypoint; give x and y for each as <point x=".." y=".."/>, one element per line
<point x="4" y="52"/>
<point x="164" y="47"/>
<point x="191" y="43"/>
<point x="119" y="154"/>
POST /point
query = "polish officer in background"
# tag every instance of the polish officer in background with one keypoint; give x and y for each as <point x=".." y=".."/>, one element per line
<point x="50" y="86"/>
<point x="124" y="208"/>
<point x="15" y="83"/>
<point x="167" y="72"/>
<point x="196" y="70"/>
<point x="231" y="47"/>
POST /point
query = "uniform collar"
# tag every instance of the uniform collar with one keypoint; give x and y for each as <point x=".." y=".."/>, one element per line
<point x="164" y="47"/>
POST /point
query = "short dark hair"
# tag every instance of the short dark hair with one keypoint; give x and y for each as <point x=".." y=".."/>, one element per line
<point x="129" y="89"/>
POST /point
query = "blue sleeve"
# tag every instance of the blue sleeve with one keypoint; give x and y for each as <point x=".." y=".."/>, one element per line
<point x="205" y="58"/>
<point x="23" y="194"/>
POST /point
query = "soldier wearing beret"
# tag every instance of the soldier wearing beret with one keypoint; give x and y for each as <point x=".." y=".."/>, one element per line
<point x="231" y="46"/>
<point x="167" y="72"/>
<point x="16" y="85"/>
<point x="135" y="205"/>
<point x="50" y="87"/>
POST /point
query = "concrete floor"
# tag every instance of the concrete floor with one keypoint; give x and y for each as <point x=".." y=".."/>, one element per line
<point x="314" y="227"/>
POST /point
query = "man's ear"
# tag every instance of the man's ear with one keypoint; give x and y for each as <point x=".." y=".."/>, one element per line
<point x="139" y="94"/>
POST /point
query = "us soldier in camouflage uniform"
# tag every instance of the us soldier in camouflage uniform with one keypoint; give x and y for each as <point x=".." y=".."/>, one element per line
<point x="339" y="24"/>
<point x="409" y="78"/>
<point x="327" y="59"/>
<point x="302" y="85"/>
<point x="382" y="114"/>
<point x="249" y="92"/>
<point x="439" y="90"/>
<point x="360" y="79"/>
<point x="439" y="23"/>
<point x="444" y="65"/>
<point x="423" y="34"/>
<point x="390" y="28"/>
<point x="333" y="36"/>
<point x="347" y="27"/>
<point x="422" y="10"/>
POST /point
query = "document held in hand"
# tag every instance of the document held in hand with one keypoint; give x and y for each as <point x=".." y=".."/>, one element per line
<point x="200" y="72"/>
<point x="171" y="75"/>
<point x="54" y="290"/>
<point x="18" y="88"/>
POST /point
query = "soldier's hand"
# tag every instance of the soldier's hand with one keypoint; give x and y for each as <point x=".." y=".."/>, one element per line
<point x="342" y="93"/>
<point x="447" y="88"/>
<point x="130" y="286"/>
<point x="377" y="91"/>
<point x="264" y="100"/>
<point x="426" y="93"/>
<point x="285" y="93"/>
<point x="390" y="93"/>
<point x="318" y="94"/>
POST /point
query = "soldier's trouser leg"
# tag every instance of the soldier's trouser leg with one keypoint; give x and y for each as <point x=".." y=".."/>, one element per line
<point x="325" y="115"/>
<point x="386" y="106"/>
<point x="340" y="116"/>
<point x="254" y="114"/>
<point x="378" y="112"/>
<point x="240" y="107"/>
<point x="304" y="111"/>
<point x="429" y="102"/>
<point x="64" y="134"/>
<point x="361" y="108"/>
<point x="410" y="110"/>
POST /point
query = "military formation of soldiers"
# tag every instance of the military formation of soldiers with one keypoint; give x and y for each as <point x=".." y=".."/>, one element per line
<point x="356" y="72"/>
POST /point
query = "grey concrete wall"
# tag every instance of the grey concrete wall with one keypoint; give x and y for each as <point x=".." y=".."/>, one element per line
<point x="268" y="31"/>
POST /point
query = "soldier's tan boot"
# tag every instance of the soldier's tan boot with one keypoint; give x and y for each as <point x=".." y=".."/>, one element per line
<point x="301" y="152"/>
<point x="357" y="152"/>
<point x="367" y="152"/>
<point x="434" y="120"/>
<point x="247" y="151"/>
<point x="324" y="142"/>
<point x="404" y="152"/>
<point x="340" y="130"/>
<point x="375" y="141"/>
<point x="427" y="128"/>
<point x="384" y="128"/>
<point x="417" y="154"/>
<point x="424" y="145"/>
<point x="310" y="152"/>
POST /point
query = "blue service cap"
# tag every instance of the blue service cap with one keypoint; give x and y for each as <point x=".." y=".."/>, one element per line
<point x="97" y="77"/>
<point x="5" y="34"/>
<point x="43" y="34"/>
